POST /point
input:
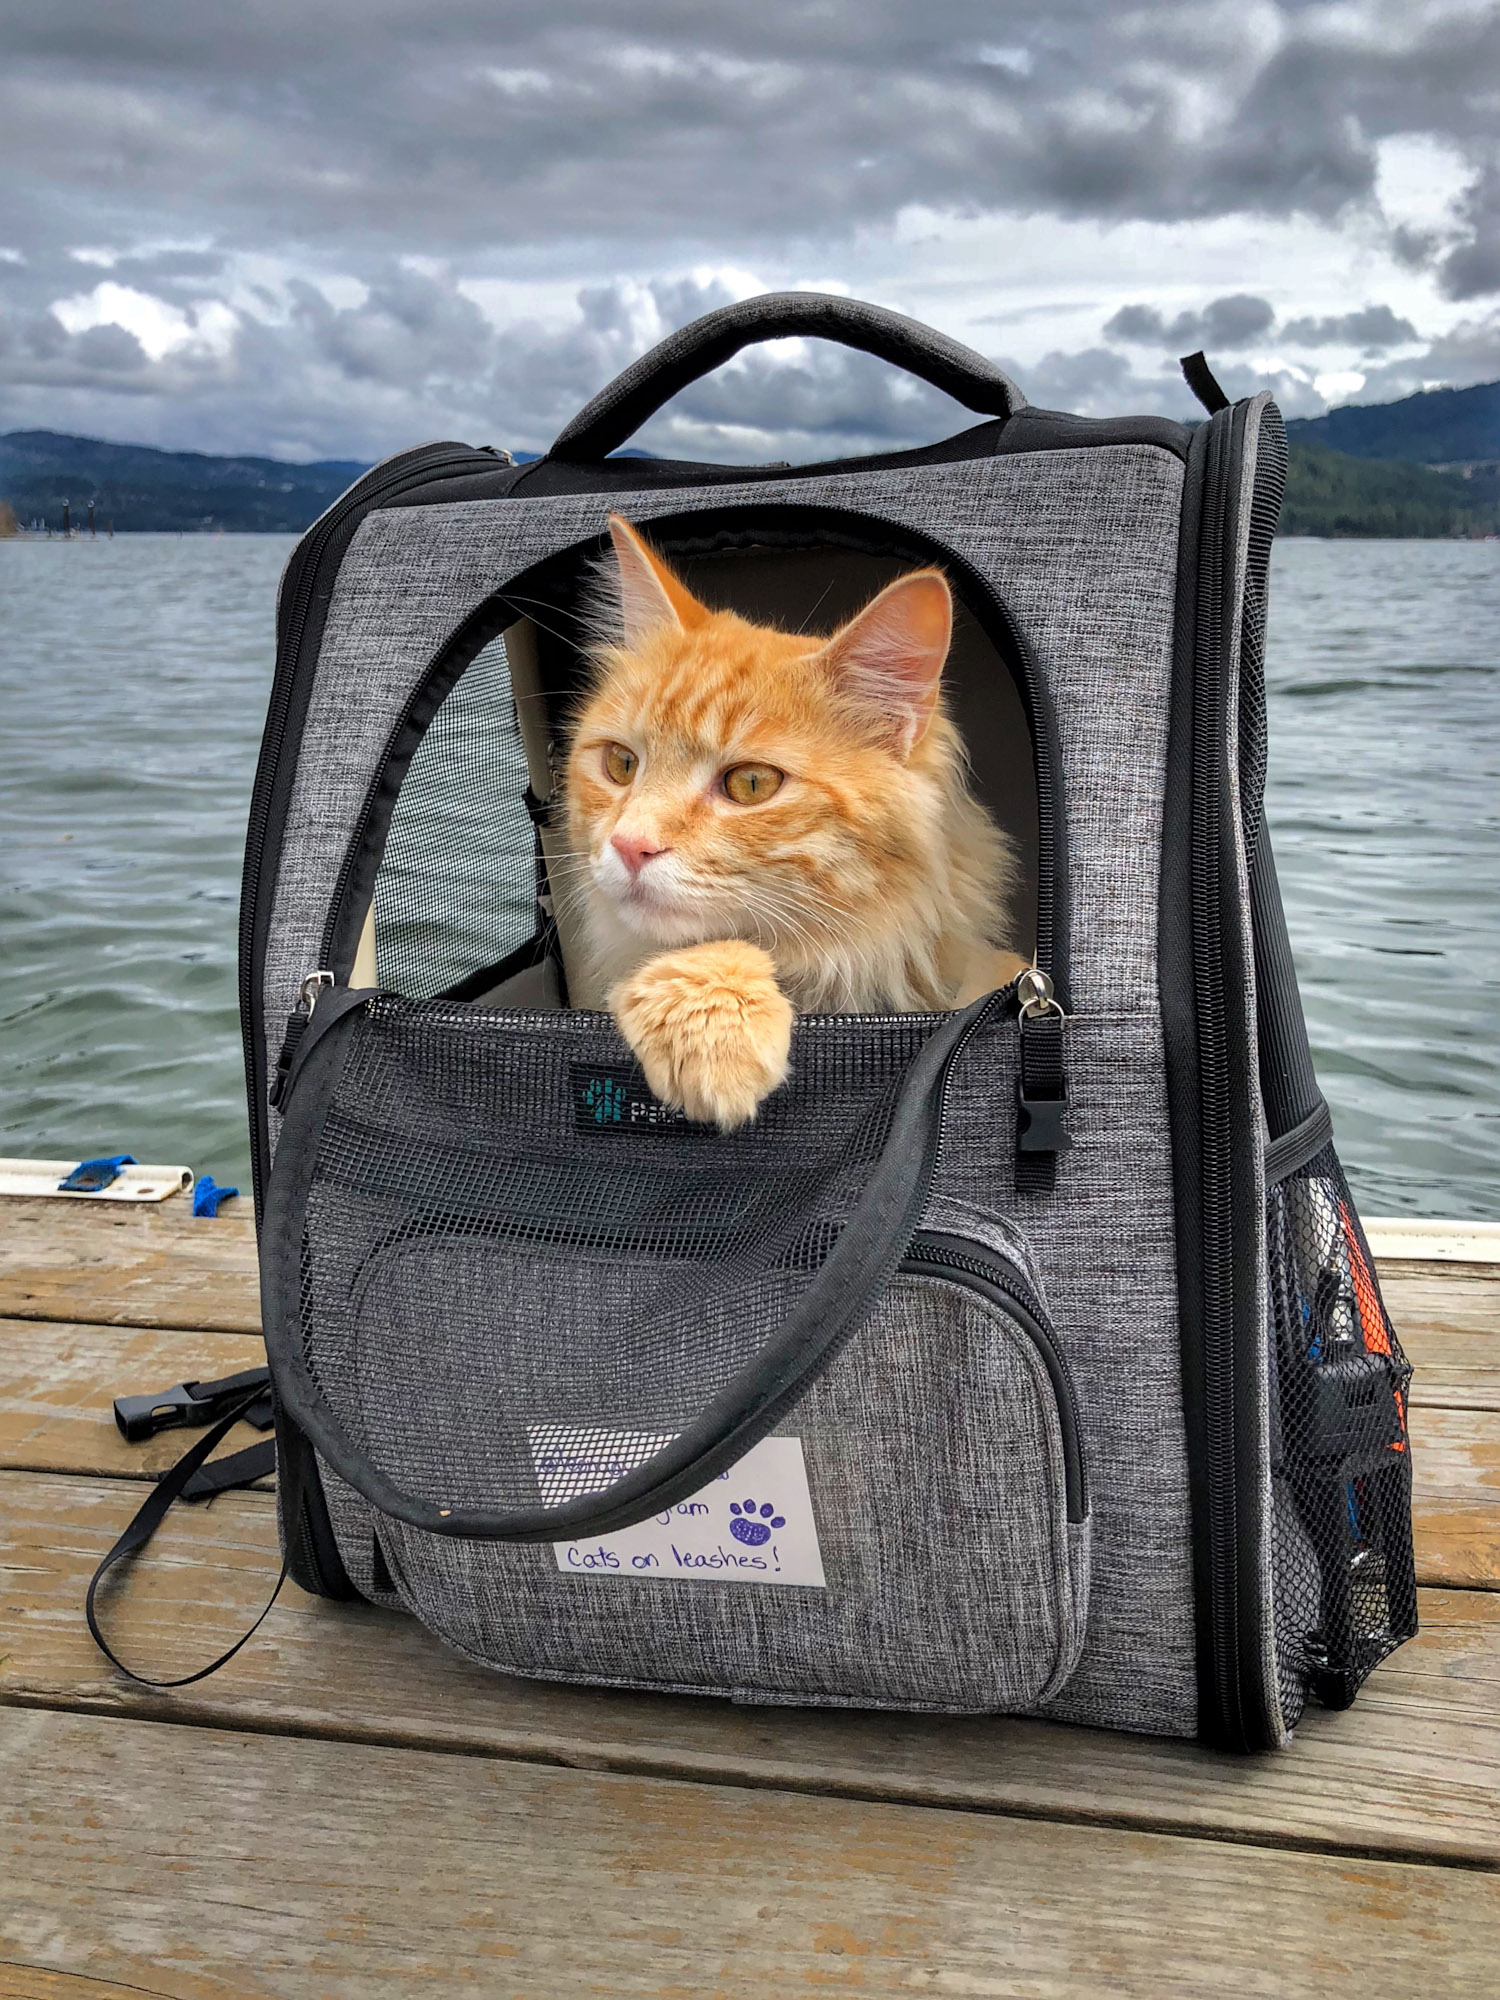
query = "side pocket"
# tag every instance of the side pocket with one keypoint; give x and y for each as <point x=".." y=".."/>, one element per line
<point x="1340" y="1455"/>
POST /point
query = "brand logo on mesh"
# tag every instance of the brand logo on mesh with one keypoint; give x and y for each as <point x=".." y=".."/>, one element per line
<point x="605" y="1100"/>
<point x="608" y="1098"/>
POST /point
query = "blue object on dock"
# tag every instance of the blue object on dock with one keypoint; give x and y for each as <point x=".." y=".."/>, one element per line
<point x="207" y="1195"/>
<point x="89" y="1176"/>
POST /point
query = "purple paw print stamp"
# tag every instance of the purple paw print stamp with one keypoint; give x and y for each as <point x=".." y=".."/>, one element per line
<point x="752" y="1524"/>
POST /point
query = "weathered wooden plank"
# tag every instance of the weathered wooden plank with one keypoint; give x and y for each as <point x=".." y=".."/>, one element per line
<point x="1449" y="1324"/>
<point x="58" y="1383"/>
<point x="1452" y="1668"/>
<point x="159" y="1265"/>
<point x="1413" y="1769"/>
<point x="342" y="1870"/>
<point x="152" y="1265"/>
<point x="35" y="1982"/>
<point x="1456" y="1497"/>
<point x="1413" y="1238"/>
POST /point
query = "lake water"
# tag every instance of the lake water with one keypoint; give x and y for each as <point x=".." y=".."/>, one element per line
<point x="134" y="676"/>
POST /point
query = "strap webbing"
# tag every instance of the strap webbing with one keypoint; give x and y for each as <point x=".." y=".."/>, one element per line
<point x="1201" y="380"/>
<point x="173" y="1486"/>
<point x="222" y="1475"/>
<point x="1041" y="1104"/>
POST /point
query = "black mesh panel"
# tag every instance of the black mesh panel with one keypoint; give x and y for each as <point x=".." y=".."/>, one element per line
<point x="1345" y="1587"/>
<point x="456" y="889"/>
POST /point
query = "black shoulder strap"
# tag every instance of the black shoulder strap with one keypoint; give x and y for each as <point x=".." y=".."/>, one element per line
<point x="190" y="1478"/>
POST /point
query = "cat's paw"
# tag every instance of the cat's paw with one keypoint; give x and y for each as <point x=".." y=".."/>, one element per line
<point x="710" y="1027"/>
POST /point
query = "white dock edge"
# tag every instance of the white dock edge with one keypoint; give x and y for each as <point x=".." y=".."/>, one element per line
<point x="134" y="1183"/>
<point x="1425" y="1241"/>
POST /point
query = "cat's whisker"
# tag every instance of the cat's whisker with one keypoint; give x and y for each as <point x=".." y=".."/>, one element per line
<point x="553" y="631"/>
<point x="822" y="595"/>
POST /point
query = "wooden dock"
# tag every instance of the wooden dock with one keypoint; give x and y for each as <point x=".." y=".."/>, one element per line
<point x="350" y="1811"/>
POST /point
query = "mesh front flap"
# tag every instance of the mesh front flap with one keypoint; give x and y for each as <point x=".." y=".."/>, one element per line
<point x="521" y="1277"/>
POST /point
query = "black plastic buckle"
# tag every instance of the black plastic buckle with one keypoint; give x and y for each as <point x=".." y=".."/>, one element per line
<point x="1041" y="1087"/>
<point x="1041" y="1123"/>
<point x="191" y="1404"/>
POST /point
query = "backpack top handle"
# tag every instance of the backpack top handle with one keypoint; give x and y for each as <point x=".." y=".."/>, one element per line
<point x="619" y="410"/>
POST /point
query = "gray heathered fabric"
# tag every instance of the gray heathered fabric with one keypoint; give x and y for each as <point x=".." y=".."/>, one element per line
<point x="1104" y="1244"/>
<point x="951" y="1579"/>
<point x="1082" y="548"/>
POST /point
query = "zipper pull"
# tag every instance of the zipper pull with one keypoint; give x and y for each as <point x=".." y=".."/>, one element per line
<point x="1042" y="1086"/>
<point x="296" y="1028"/>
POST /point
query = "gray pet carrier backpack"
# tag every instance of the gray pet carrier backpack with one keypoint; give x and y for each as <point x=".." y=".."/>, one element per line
<point x="1026" y="1359"/>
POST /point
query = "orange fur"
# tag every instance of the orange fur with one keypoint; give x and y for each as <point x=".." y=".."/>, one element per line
<point x="711" y="1027"/>
<point x="870" y="880"/>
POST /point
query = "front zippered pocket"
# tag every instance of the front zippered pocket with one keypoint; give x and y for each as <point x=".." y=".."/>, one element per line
<point x="507" y="1326"/>
<point x="930" y="1550"/>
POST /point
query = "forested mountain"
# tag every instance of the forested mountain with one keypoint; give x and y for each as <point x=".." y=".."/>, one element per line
<point x="1334" y="493"/>
<point x="138" y="488"/>
<point x="1366" y="469"/>
<point x="1438" y="427"/>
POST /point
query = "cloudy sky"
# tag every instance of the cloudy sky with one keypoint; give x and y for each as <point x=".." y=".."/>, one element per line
<point x="333" y="228"/>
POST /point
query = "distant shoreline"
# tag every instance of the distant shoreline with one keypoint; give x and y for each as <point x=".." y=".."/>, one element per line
<point x="48" y="479"/>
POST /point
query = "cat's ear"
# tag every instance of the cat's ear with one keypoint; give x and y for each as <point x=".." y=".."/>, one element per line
<point x="889" y="657"/>
<point x="650" y="595"/>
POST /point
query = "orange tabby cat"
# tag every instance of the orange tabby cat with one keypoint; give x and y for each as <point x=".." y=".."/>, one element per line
<point x="765" y="822"/>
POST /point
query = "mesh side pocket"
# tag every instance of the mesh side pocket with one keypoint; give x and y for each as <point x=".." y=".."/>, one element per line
<point x="1341" y="1463"/>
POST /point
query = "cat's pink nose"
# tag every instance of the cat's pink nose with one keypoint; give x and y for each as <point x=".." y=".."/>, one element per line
<point x="635" y="849"/>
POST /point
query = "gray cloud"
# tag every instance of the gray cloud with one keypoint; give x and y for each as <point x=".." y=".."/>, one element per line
<point x="1371" y="328"/>
<point x="1236" y="321"/>
<point x="1471" y="269"/>
<point x="1245" y="321"/>
<point x="416" y="359"/>
<point x="211" y="162"/>
<point x="1469" y="352"/>
<point x="462" y="124"/>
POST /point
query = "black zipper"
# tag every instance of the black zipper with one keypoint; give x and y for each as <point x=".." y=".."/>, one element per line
<point x="996" y="1278"/>
<point x="298" y="593"/>
<point x="1234" y="1691"/>
<point x="1208" y="983"/>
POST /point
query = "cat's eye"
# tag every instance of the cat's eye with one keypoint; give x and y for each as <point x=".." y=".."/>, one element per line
<point x="748" y="784"/>
<point x="620" y="762"/>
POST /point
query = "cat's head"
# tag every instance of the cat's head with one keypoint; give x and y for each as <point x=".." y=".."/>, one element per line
<point x="729" y="780"/>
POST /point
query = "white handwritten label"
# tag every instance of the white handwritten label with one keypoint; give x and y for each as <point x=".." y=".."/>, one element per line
<point x="753" y="1524"/>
